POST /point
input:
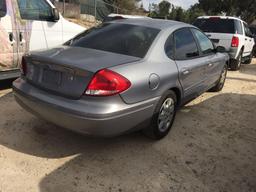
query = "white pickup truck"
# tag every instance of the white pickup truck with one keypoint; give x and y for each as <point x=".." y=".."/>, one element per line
<point x="28" y="25"/>
<point x="231" y="33"/>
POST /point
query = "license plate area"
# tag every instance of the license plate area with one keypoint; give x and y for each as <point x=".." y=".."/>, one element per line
<point x="51" y="78"/>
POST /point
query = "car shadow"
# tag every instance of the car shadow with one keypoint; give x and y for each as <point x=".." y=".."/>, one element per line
<point x="6" y="84"/>
<point x="249" y="69"/>
<point x="211" y="144"/>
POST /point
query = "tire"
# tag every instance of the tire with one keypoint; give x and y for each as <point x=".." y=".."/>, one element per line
<point x="220" y="84"/>
<point x="163" y="117"/>
<point x="249" y="60"/>
<point x="235" y="64"/>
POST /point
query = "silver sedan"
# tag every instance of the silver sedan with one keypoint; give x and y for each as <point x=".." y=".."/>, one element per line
<point x="124" y="75"/>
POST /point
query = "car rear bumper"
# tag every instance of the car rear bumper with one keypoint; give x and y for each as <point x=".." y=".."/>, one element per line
<point x="96" y="116"/>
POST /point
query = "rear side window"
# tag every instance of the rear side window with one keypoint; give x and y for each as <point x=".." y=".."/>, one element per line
<point x="2" y="8"/>
<point x="216" y="25"/>
<point x="119" y="38"/>
<point x="238" y="26"/>
<point x="169" y="47"/>
<point x="35" y="10"/>
<point x="204" y="42"/>
<point x="247" y="30"/>
<point x="185" y="45"/>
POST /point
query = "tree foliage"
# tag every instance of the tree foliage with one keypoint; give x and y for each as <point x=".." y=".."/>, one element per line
<point x="239" y="8"/>
<point x="124" y="5"/>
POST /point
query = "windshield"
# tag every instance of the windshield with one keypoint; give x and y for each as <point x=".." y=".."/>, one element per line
<point x="123" y="39"/>
<point x="216" y="25"/>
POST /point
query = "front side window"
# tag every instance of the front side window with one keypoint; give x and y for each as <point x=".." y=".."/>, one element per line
<point x="204" y="42"/>
<point x="185" y="45"/>
<point x="35" y="10"/>
<point x="2" y="8"/>
<point x="119" y="38"/>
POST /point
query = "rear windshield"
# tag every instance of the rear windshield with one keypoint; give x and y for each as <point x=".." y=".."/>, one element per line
<point x="123" y="39"/>
<point x="217" y="25"/>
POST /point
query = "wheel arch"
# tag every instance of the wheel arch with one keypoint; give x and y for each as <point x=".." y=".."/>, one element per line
<point x="177" y="92"/>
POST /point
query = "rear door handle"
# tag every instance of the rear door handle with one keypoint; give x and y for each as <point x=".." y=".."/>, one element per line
<point x="210" y="64"/>
<point x="185" y="72"/>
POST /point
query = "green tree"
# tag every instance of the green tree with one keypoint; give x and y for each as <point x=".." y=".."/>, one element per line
<point x="164" y="8"/>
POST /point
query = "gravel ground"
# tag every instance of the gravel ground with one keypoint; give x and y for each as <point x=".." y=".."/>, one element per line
<point x="212" y="147"/>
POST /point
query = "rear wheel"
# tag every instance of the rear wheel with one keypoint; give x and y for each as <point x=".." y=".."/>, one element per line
<point x="221" y="81"/>
<point x="235" y="64"/>
<point x="249" y="60"/>
<point x="163" y="117"/>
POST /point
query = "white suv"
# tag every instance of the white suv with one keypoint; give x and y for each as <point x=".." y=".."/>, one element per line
<point x="231" y="33"/>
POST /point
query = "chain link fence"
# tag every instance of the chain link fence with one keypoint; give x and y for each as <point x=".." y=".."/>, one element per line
<point x="89" y="10"/>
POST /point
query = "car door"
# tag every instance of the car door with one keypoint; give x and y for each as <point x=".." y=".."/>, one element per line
<point x="190" y="65"/>
<point x="249" y="42"/>
<point x="30" y="27"/>
<point x="215" y="60"/>
<point x="8" y="38"/>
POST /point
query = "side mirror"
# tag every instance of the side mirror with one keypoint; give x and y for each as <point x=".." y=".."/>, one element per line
<point x="55" y="15"/>
<point x="220" y="49"/>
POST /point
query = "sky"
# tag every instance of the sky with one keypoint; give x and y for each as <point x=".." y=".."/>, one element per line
<point x="185" y="4"/>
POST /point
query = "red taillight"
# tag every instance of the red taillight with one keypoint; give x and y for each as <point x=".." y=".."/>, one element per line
<point x="23" y="66"/>
<point x="106" y="82"/>
<point x="235" y="42"/>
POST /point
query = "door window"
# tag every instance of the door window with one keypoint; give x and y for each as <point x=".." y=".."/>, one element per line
<point x="204" y="42"/>
<point x="169" y="47"/>
<point x="185" y="45"/>
<point x="35" y="10"/>
<point x="2" y="8"/>
<point x="247" y="30"/>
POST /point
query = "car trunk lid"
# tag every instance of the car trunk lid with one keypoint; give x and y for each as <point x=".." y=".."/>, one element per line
<point x="67" y="71"/>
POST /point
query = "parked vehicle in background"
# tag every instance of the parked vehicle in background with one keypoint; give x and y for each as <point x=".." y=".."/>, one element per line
<point x="124" y="75"/>
<point x="112" y="17"/>
<point x="231" y="33"/>
<point x="28" y="25"/>
<point x="253" y="30"/>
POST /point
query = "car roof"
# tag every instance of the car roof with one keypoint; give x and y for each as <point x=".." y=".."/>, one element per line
<point x="127" y="16"/>
<point x="222" y="17"/>
<point x="153" y="23"/>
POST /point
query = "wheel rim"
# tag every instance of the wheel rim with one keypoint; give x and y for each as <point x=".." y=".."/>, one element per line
<point x="166" y="114"/>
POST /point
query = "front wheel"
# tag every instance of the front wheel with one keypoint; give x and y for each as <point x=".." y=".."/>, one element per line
<point x="221" y="81"/>
<point x="163" y="117"/>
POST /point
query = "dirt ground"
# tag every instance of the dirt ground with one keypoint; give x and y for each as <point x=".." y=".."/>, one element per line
<point x="212" y="147"/>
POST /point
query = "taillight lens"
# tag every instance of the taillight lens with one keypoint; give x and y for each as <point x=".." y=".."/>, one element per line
<point x="23" y="66"/>
<point x="235" y="42"/>
<point x="106" y="82"/>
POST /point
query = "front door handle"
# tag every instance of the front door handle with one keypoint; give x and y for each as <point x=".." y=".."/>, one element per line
<point x="11" y="38"/>
<point x="210" y="64"/>
<point x="21" y="37"/>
